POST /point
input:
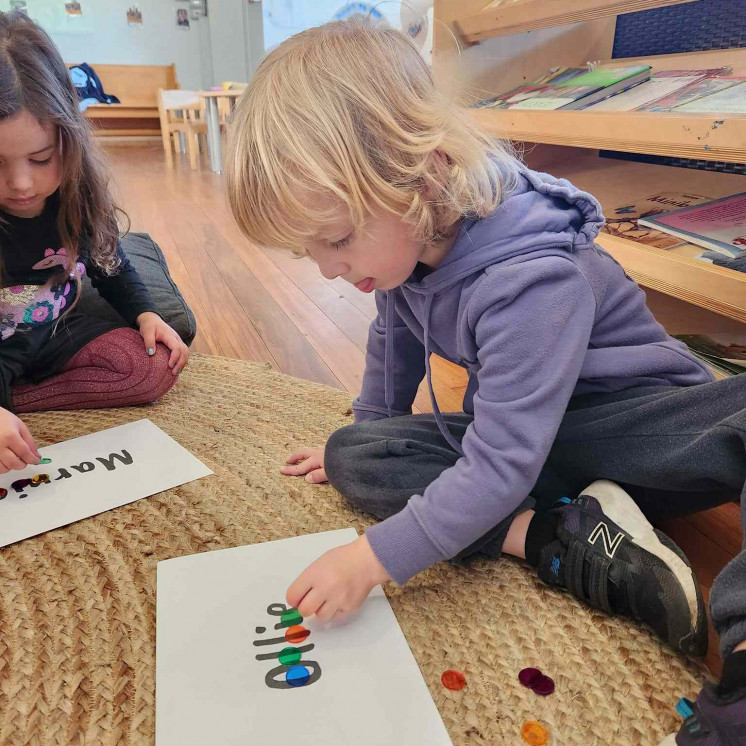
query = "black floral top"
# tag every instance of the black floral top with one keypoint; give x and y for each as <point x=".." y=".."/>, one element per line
<point x="40" y="277"/>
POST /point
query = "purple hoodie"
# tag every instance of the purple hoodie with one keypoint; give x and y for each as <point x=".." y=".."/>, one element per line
<point x="536" y="313"/>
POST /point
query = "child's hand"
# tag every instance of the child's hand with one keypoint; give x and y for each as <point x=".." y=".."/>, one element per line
<point x="17" y="446"/>
<point x="338" y="582"/>
<point x="154" y="329"/>
<point x="311" y="464"/>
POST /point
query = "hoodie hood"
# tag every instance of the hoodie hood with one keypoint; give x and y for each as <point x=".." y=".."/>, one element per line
<point x="541" y="213"/>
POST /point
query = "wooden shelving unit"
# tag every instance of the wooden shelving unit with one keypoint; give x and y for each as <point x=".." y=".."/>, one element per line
<point x="570" y="140"/>
<point x="675" y="272"/>
<point x="699" y="136"/>
<point x="528" y="15"/>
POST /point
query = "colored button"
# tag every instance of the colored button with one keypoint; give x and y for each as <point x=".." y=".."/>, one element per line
<point x="454" y="680"/>
<point x="534" y="733"/>
<point x="528" y="675"/>
<point x="543" y="686"/>
<point x="536" y="681"/>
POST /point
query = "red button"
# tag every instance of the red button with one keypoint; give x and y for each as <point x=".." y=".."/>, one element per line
<point x="452" y="679"/>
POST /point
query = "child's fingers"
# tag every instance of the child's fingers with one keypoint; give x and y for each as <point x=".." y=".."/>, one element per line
<point x="148" y="335"/>
<point x="10" y="460"/>
<point x="311" y="603"/>
<point x="293" y="458"/>
<point x="297" y="470"/>
<point x="29" y="439"/>
<point x="316" y="476"/>
<point x="298" y="589"/>
<point x="19" y="446"/>
<point x="326" y="612"/>
<point x="173" y="359"/>
<point x="183" y="359"/>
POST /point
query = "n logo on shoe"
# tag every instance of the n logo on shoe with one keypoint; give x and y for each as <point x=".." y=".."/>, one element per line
<point x="610" y="545"/>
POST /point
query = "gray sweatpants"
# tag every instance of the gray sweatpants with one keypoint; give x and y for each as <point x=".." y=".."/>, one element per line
<point x="676" y="450"/>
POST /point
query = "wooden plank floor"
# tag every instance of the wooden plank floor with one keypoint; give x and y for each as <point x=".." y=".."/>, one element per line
<point x="268" y="306"/>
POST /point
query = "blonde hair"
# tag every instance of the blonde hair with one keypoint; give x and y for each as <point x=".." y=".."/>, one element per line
<point x="348" y="114"/>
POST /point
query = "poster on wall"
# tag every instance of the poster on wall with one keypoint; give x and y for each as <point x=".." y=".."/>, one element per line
<point x="58" y="16"/>
<point x="182" y="19"/>
<point x="134" y="16"/>
<point x="236" y="665"/>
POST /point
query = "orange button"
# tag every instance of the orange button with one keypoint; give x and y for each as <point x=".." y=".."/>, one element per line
<point x="534" y="733"/>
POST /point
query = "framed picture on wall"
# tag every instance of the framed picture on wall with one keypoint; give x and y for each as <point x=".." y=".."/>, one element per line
<point x="182" y="19"/>
<point x="134" y="16"/>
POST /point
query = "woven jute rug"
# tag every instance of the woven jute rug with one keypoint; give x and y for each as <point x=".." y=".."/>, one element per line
<point x="77" y="605"/>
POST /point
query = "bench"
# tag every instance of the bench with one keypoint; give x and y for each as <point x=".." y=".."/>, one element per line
<point x="136" y="86"/>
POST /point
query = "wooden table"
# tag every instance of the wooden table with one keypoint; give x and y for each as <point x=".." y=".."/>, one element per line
<point x="214" y="145"/>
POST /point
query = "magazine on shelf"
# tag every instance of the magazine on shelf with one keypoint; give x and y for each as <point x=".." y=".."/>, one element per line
<point x="719" y="260"/>
<point x="505" y="100"/>
<point x="724" y="352"/>
<point x="582" y="91"/>
<point x="731" y="100"/>
<point x="699" y="89"/>
<point x="719" y="225"/>
<point x="660" y="84"/>
<point x="623" y="220"/>
<point x="559" y="75"/>
<point x="554" y="76"/>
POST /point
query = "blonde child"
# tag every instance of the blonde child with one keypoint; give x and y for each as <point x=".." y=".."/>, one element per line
<point x="344" y="150"/>
<point x="57" y="221"/>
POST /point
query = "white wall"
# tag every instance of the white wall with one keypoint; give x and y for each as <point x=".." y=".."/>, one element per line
<point x="237" y="39"/>
<point x="157" y="42"/>
<point x="228" y="40"/>
<point x="254" y="36"/>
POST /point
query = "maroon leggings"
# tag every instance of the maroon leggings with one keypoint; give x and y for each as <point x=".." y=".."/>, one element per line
<point x="113" y="370"/>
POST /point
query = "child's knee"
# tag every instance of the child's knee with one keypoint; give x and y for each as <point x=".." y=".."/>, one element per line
<point x="145" y="377"/>
<point x="160" y="377"/>
<point x="339" y="461"/>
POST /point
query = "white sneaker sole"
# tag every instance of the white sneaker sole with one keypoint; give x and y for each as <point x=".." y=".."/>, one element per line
<point x="623" y="510"/>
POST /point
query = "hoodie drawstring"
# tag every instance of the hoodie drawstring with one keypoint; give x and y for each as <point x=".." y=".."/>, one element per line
<point x="388" y="355"/>
<point x="444" y="431"/>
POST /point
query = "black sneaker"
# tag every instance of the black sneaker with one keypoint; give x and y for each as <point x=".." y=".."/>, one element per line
<point x="607" y="554"/>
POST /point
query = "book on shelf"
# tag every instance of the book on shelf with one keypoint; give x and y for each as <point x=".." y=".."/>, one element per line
<point x="725" y="353"/>
<point x="583" y="90"/>
<point x="559" y="75"/>
<point x="505" y="100"/>
<point x="719" y="225"/>
<point x="730" y="100"/>
<point x="696" y="90"/>
<point x="554" y="76"/>
<point x="719" y="260"/>
<point x="661" y="84"/>
<point x="623" y="221"/>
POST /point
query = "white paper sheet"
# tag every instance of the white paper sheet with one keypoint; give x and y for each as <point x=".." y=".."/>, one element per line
<point x="92" y="474"/>
<point x="364" y="686"/>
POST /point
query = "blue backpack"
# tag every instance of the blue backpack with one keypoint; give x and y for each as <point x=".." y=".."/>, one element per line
<point x="89" y="87"/>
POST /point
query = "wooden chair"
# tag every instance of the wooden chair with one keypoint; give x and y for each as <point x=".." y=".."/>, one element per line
<point x="181" y="111"/>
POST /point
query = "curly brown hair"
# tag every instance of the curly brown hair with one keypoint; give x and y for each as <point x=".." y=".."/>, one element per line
<point x="34" y="78"/>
